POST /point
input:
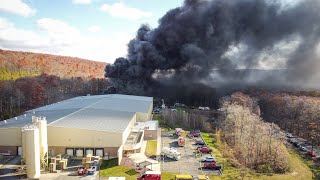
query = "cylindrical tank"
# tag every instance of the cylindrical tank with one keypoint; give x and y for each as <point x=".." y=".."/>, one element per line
<point x="43" y="139"/>
<point x="30" y="137"/>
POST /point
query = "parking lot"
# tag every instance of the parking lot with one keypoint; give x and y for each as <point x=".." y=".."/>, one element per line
<point x="188" y="164"/>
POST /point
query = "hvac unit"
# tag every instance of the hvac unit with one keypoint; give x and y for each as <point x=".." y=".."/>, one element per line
<point x="52" y="167"/>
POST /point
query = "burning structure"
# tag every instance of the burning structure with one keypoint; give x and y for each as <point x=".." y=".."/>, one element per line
<point x="204" y="46"/>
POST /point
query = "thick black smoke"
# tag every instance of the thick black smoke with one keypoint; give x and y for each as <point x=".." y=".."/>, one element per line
<point x="205" y="45"/>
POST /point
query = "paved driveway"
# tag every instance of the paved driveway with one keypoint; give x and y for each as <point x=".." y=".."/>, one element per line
<point x="8" y="169"/>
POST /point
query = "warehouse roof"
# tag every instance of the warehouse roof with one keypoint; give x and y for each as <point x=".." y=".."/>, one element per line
<point x="102" y="112"/>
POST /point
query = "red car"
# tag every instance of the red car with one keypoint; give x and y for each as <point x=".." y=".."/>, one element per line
<point x="312" y="153"/>
<point x="204" y="149"/>
<point x="82" y="170"/>
<point x="212" y="165"/>
<point x="195" y="134"/>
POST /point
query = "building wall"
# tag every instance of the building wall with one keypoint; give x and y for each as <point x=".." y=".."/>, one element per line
<point x="127" y="131"/>
<point x="67" y="137"/>
<point x="150" y="111"/>
<point x="120" y="154"/>
<point x="10" y="137"/>
<point x="12" y="150"/>
<point x="142" y="117"/>
<point x="112" y="151"/>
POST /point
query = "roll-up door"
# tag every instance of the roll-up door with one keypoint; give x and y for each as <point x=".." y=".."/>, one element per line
<point x="89" y="151"/>
<point x="79" y="152"/>
<point x="99" y="152"/>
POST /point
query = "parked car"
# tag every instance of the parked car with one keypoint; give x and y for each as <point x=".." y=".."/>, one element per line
<point x="174" y="110"/>
<point x="203" y="108"/>
<point x="195" y="130"/>
<point x="150" y="175"/>
<point x="208" y="159"/>
<point x="156" y="111"/>
<point x="195" y="134"/>
<point x="302" y="148"/>
<point x="311" y="153"/>
<point x="82" y="170"/>
<point x="205" y="149"/>
<point x="179" y="105"/>
<point x="200" y="143"/>
<point x="288" y="135"/>
<point x="212" y="165"/>
<point x="92" y="170"/>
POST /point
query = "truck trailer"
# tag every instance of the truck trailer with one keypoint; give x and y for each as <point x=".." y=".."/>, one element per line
<point x="170" y="153"/>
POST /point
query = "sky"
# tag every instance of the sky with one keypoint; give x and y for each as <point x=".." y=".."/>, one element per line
<point x="92" y="29"/>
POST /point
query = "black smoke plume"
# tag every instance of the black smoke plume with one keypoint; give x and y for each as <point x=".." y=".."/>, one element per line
<point x="205" y="46"/>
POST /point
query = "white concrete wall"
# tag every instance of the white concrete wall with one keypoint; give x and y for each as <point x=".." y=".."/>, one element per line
<point x="127" y="131"/>
<point x="10" y="137"/>
<point x="67" y="137"/>
<point x="120" y="154"/>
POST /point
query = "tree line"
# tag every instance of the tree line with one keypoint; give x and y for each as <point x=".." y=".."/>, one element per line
<point x="254" y="143"/>
<point x="17" y="96"/>
<point x="299" y="115"/>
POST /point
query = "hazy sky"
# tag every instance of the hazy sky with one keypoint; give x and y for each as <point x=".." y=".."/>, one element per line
<point x="92" y="29"/>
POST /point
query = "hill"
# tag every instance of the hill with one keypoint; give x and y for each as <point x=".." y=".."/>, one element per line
<point x="16" y="64"/>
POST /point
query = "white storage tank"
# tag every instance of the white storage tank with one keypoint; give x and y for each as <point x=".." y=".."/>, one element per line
<point x="43" y="138"/>
<point x="30" y="138"/>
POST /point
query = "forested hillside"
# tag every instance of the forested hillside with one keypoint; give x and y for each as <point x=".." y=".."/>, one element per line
<point x="298" y="114"/>
<point x="14" y="65"/>
<point x="29" y="80"/>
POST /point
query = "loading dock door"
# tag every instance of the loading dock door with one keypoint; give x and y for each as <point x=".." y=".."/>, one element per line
<point x="99" y="152"/>
<point x="89" y="151"/>
<point x="19" y="151"/>
<point x="79" y="152"/>
<point x="70" y="152"/>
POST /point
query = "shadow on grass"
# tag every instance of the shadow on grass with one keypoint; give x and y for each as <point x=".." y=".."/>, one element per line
<point x="131" y="172"/>
<point x="109" y="163"/>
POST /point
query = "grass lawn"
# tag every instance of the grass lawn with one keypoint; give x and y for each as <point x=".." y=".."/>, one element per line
<point x="167" y="176"/>
<point x="299" y="169"/>
<point x="119" y="171"/>
<point x="151" y="148"/>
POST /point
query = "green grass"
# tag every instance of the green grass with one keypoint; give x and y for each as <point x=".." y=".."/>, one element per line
<point x="167" y="176"/>
<point x="299" y="168"/>
<point x="119" y="171"/>
<point x="151" y="148"/>
<point x="109" y="163"/>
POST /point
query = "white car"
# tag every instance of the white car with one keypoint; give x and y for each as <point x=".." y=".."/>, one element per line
<point x="289" y="135"/>
<point x="208" y="159"/>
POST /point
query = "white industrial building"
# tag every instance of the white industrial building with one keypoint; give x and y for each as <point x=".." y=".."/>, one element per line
<point x="102" y="125"/>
